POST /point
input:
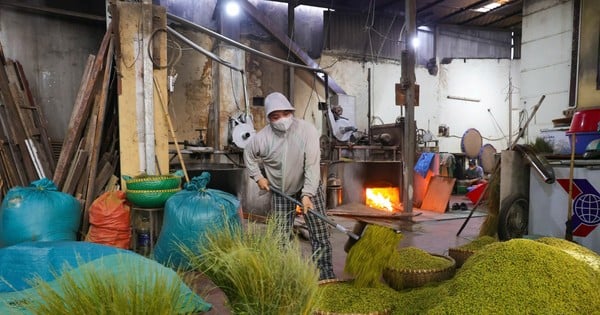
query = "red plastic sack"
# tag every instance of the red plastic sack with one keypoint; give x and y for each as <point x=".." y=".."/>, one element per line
<point x="110" y="220"/>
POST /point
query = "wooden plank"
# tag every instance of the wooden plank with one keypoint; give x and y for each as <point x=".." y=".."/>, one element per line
<point x="39" y="116"/>
<point x="97" y="137"/>
<point x="15" y="133"/>
<point x="438" y="194"/>
<point x="75" y="172"/>
<point x="103" y="176"/>
<point x="128" y="15"/>
<point x="13" y="159"/>
<point x="81" y="110"/>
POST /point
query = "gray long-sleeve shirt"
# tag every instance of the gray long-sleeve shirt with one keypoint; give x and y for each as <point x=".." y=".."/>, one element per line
<point x="290" y="159"/>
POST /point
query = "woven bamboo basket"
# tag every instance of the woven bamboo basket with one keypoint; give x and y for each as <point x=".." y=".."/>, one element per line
<point x="414" y="278"/>
<point x="460" y="255"/>
<point x="334" y="281"/>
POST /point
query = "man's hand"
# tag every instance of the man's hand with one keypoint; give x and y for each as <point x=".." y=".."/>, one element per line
<point x="306" y="204"/>
<point x="263" y="184"/>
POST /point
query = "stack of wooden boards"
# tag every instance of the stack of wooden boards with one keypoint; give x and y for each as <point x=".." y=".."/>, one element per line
<point x="89" y="153"/>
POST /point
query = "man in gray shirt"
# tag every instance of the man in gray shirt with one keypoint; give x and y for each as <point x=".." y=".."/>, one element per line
<point x="289" y="151"/>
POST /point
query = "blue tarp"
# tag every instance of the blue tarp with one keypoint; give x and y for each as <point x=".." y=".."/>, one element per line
<point x="424" y="163"/>
<point x="48" y="261"/>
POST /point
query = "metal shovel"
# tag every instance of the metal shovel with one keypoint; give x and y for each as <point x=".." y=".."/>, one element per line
<point x="317" y="214"/>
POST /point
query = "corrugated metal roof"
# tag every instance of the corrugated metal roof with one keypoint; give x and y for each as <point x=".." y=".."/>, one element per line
<point x="434" y="12"/>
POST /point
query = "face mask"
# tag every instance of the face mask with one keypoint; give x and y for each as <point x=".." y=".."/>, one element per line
<point x="282" y="124"/>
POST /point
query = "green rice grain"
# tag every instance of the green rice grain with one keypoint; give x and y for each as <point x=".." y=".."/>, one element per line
<point x="478" y="243"/>
<point x="346" y="297"/>
<point x="521" y="276"/>
<point x="575" y="250"/>
<point x="412" y="258"/>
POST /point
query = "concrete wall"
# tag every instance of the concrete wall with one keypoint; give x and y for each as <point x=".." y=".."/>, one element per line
<point x="588" y="92"/>
<point x="546" y="60"/>
<point x="481" y="79"/>
<point x="53" y="51"/>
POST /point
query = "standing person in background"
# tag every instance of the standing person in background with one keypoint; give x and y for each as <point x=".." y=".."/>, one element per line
<point x="289" y="150"/>
<point x="474" y="173"/>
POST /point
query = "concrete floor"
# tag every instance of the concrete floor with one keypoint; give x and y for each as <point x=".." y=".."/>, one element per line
<point x="430" y="231"/>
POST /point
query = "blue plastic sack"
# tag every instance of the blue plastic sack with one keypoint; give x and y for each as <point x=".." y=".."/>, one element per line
<point x="49" y="261"/>
<point x="38" y="212"/>
<point x="188" y="215"/>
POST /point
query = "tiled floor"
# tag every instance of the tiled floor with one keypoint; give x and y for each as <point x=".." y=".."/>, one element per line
<point x="433" y="232"/>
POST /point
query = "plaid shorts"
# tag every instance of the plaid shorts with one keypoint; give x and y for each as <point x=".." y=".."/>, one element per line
<point x="318" y="229"/>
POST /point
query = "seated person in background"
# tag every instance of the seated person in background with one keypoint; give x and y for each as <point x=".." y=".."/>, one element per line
<point x="474" y="173"/>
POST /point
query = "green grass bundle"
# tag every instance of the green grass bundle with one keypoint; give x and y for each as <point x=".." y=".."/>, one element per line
<point x="118" y="284"/>
<point x="413" y="258"/>
<point x="257" y="271"/>
<point x="370" y="255"/>
<point x="346" y="298"/>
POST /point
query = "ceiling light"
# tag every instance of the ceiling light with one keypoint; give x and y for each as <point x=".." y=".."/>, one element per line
<point x="232" y="8"/>
<point x="490" y="6"/>
<point x="415" y="42"/>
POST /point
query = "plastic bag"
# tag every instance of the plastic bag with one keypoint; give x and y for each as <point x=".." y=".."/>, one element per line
<point x="38" y="213"/>
<point x="110" y="220"/>
<point x="191" y="213"/>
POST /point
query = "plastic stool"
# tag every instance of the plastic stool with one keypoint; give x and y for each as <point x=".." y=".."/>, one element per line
<point x="155" y="219"/>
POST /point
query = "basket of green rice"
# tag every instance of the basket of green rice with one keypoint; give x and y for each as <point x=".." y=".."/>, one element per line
<point x="412" y="267"/>
<point x="463" y="252"/>
<point x="341" y="297"/>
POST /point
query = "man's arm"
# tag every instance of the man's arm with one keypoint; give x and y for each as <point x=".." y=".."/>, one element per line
<point x="312" y="157"/>
<point x="251" y="159"/>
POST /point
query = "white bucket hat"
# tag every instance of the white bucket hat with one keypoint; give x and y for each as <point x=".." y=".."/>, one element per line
<point x="277" y="101"/>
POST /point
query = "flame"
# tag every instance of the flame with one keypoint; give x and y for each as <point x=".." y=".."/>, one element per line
<point x="383" y="198"/>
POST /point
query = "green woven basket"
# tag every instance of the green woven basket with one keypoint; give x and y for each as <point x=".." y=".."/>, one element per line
<point x="150" y="198"/>
<point x="152" y="182"/>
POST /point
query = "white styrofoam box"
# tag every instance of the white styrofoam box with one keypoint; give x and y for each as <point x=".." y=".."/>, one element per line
<point x="558" y="139"/>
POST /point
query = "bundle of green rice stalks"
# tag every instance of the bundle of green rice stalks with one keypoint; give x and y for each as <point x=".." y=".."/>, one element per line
<point x="575" y="250"/>
<point x="521" y="276"/>
<point x="117" y="284"/>
<point x="256" y="271"/>
<point x="343" y="297"/>
<point x="369" y="256"/>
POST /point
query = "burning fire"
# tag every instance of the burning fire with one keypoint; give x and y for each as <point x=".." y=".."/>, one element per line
<point x="383" y="198"/>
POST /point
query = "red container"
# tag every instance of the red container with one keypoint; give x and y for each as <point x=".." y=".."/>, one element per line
<point x="585" y="120"/>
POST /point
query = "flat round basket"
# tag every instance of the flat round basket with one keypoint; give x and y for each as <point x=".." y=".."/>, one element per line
<point x="150" y="198"/>
<point x="414" y="278"/>
<point x="460" y="255"/>
<point x="334" y="281"/>
<point x="153" y="182"/>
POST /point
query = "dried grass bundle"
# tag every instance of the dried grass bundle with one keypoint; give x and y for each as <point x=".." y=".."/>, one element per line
<point x="256" y="271"/>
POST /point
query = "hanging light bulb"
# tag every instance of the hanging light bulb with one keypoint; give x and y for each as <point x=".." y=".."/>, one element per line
<point x="232" y="8"/>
